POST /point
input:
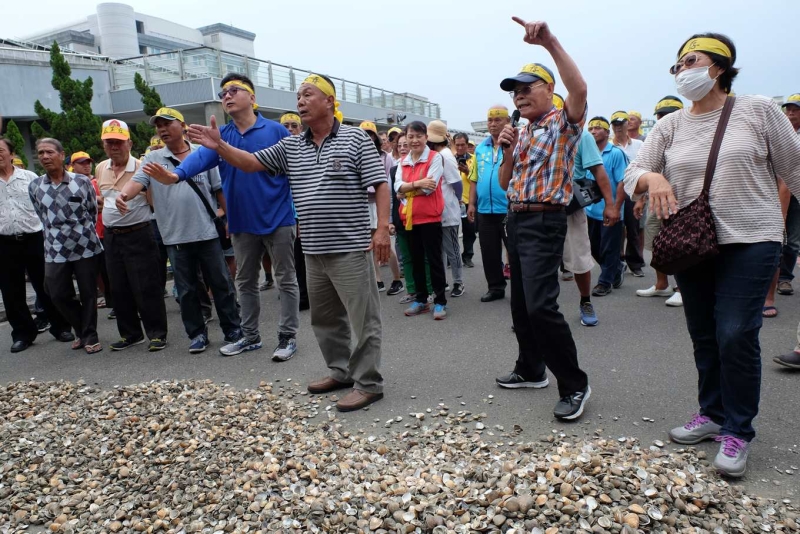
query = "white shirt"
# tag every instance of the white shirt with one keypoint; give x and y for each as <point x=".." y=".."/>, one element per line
<point x="451" y="216"/>
<point x="17" y="215"/>
<point x="631" y="149"/>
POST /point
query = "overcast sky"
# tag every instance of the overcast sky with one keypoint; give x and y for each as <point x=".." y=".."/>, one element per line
<point x="456" y="53"/>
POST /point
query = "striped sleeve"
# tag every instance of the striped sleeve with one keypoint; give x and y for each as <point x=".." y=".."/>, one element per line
<point x="784" y="147"/>
<point x="368" y="162"/>
<point x="274" y="158"/>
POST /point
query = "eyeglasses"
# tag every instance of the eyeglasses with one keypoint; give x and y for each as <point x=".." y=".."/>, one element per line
<point x="526" y="90"/>
<point x="688" y="62"/>
<point x="229" y="91"/>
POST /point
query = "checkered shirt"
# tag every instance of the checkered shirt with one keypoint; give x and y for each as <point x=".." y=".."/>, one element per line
<point x="544" y="158"/>
<point x="68" y="211"/>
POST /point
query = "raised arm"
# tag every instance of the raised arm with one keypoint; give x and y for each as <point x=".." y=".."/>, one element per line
<point x="209" y="137"/>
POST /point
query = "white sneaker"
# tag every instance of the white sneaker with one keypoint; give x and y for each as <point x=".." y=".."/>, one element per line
<point x="676" y="300"/>
<point x="653" y="292"/>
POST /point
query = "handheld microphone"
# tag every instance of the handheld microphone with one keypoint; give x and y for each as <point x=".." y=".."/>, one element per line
<point x="514" y="121"/>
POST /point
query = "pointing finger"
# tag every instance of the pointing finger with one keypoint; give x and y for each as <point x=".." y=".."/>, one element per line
<point x="518" y="21"/>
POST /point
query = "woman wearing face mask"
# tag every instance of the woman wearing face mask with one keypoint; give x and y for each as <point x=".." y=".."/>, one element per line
<point x="722" y="296"/>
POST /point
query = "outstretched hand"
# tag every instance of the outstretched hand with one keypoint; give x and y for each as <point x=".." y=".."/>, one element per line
<point x="208" y="136"/>
<point x="536" y="33"/>
<point x="160" y="174"/>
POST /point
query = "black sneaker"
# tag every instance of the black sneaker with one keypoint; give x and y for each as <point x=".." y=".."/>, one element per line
<point x="458" y="290"/>
<point x="396" y="288"/>
<point x="791" y="360"/>
<point x="123" y="343"/>
<point x="157" y="344"/>
<point x="600" y="290"/>
<point x="514" y="381"/>
<point x="381" y="287"/>
<point x="112" y="315"/>
<point x="571" y="406"/>
<point x="233" y="336"/>
<point x="468" y="263"/>
<point x="42" y="325"/>
<point x="621" y="278"/>
<point x="637" y="272"/>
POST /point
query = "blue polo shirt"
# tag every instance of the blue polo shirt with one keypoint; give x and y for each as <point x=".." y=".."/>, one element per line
<point x="615" y="162"/>
<point x="586" y="157"/>
<point x="258" y="202"/>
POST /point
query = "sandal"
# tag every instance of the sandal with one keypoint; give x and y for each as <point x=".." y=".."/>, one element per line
<point x="93" y="349"/>
<point x="77" y="344"/>
<point x="769" y="312"/>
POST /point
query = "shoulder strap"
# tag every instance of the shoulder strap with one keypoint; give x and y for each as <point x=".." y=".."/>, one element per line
<point x="711" y="166"/>
<point x="193" y="185"/>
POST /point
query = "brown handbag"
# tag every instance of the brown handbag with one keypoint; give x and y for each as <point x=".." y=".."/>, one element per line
<point x="690" y="236"/>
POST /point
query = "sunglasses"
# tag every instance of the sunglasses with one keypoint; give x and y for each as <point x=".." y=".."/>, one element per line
<point x="688" y="62"/>
<point x="229" y="91"/>
<point x="526" y="90"/>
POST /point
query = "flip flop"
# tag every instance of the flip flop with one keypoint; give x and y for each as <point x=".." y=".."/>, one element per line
<point x="766" y="312"/>
<point x="93" y="349"/>
<point x="77" y="344"/>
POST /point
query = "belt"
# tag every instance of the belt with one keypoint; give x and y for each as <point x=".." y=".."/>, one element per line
<point x="17" y="237"/>
<point x="128" y="229"/>
<point x="518" y="207"/>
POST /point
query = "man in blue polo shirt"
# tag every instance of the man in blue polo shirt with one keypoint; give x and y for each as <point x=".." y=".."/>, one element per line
<point x="260" y="216"/>
<point x="607" y="240"/>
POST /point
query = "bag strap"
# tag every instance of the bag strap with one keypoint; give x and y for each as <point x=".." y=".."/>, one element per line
<point x="711" y="166"/>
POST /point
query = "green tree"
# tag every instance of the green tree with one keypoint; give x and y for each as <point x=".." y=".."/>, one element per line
<point x="13" y="133"/>
<point x="142" y="132"/>
<point x="76" y="126"/>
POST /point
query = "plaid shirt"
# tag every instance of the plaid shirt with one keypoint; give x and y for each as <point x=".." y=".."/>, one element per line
<point x="544" y="158"/>
<point x="68" y="211"/>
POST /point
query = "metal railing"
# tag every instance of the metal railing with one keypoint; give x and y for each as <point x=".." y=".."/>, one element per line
<point x="204" y="62"/>
<point x="43" y="56"/>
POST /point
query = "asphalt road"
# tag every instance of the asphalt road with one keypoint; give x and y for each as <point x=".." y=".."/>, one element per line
<point x="639" y="360"/>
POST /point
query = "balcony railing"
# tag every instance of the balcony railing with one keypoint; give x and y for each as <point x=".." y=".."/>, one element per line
<point x="203" y="62"/>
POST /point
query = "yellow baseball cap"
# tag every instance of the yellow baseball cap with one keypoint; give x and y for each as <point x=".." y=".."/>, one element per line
<point x="619" y="116"/>
<point x="369" y="127"/>
<point x="156" y="142"/>
<point x="16" y="161"/>
<point x="80" y="156"/>
<point x="793" y="100"/>
<point x="166" y="113"/>
<point x="115" y="129"/>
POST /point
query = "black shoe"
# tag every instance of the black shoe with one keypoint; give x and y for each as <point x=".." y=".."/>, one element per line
<point x="513" y="381"/>
<point x="19" y="346"/>
<point x="601" y="291"/>
<point x="112" y="315"/>
<point x="791" y="360"/>
<point x="493" y="295"/>
<point x="123" y="343"/>
<point x="621" y="278"/>
<point x="304" y="305"/>
<point x="65" y="336"/>
<point x="396" y="288"/>
<point x="468" y="263"/>
<point x="637" y="272"/>
<point x="458" y="290"/>
<point x="234" y="336"/>
<point x="571" y="406"/>
<point x="157" y="344"/>
<point x="42" y="325"/>
<point x="381" y="287"/>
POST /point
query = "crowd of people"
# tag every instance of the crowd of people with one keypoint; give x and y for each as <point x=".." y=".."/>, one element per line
<point x="317" y="202"/>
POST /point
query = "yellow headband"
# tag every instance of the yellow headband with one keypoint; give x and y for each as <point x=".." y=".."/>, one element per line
<point x="706" y="44"/>
<point x="558" y="102"/>
<point x="668" y="103"/>
<point x="288" y="117"/>
<point x="601" y="123"/>
<point x="497" y="113"/>
<point x="241" y="85"/>
<point x="537" y="70"/>
<point x="327" y="89"/>
<point x="635" y="114"/>
<point x="619" y="115"/>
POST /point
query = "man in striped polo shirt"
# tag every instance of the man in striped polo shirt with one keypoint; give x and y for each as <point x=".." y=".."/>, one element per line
<point x="330" y="168"/>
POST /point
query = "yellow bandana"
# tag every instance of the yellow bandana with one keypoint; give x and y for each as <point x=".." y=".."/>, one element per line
<point x="537" y="70"/>
<point x="327" y="89"/>
<point x="668" y="103"/>
<point x="601" y="123"/>
<point x="16" y="161"/>
<point x="407" y="210"/>
<point x="705" y="44"/>
<point x="289" y="117"/>
<point x="639" y="116"/>
<point x="558" y="102"/>
<point x="497" y="113"/>
<point x="240" y="85"/>
<point x="619" y="116"/>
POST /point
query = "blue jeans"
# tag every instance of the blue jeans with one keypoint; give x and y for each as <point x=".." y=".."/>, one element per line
<point x="186" y="258"/>
<point x="723" y="299"/>
<point x="606" y="243"/>
<point x="792" y="247"/>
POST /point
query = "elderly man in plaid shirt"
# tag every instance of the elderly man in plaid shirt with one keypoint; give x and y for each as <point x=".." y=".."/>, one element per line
<point x="537" y="173"/>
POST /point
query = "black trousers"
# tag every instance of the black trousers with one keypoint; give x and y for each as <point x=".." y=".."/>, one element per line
<point x="535" y="248"/>
<point x="492" y="231"/>
<point x="79" y="310"/>
<point x="133" y="266"/>
<point x="426" y="242"/>
<point x="103" y="271"/>
<point x="300" y="269"/>
<point x="162" y="256"/>
<point x="633" y="249"/>
<point x="19" y="256"/>
<point x="470" y="235"/>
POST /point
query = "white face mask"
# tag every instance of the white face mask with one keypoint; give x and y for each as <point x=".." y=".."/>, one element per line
<point x="694" y="84"/>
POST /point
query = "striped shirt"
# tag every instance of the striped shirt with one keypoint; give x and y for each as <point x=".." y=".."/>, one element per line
<point x="329" y="186"/>
<point x="544" y="158"/>
<point x="758" y="145"/>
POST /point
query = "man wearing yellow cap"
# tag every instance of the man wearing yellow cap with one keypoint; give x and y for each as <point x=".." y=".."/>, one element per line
<point x="392" y="135"/>
<point x="132" y="255"/>
<point x="635" y="130"/>
<point x="330" y="168"/>
<point x="292" y="123"/>
<point x="465" y="163"/>
<point x="633" y="251"/>
<point x="261" y="218"/>
<point x="17" y="162"/>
